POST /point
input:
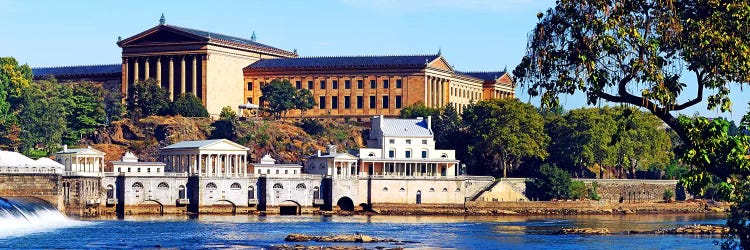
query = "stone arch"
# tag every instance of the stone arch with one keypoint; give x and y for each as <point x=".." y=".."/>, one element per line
<point x="211" y="186"/>
<point x="110" y="191"/>
<point x="301" y="186"/>
<point x="290" y="207"/>
<point x="345" y="203"/>
<point x="151" y="205"/>
<point x="278" y="186"/>
<point x="224" y="206"/>
<point x="162" y="186"/>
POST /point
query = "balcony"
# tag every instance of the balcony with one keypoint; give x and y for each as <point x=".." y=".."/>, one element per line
<point x="318" y="202"/>
<point x="92" y="202"/>
<point x="111" y="201"/>
<point x="252" y="201"/>
<point x="183" y="201"/>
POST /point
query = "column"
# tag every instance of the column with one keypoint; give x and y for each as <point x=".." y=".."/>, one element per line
<point x="135" y="70"/>
<point x="195" y="75"/>
<point x="441" y="93"/>
<point x="146" y="69"/>
<point x="171" y="79"/>
<point x="244" y="164"/>
<point x="158" y="70"/>
<point x="182" y="75"/>
<point x="428" y="91"/>
<point x="125" y="77"/>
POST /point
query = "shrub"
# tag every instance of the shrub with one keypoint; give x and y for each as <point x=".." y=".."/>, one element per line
<point x="578" y="190"/>
<point x="668" y="195"/>
<point x="227" y="113"/>
<point x="188" y="105"/>
<point x="551" y="182"/>
<point x="312" y="126"/>
<point x="593" y="193"/>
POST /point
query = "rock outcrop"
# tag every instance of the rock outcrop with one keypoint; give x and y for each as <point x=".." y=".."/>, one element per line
<point x="336" y="238"/>
<point x="585" y="230"/>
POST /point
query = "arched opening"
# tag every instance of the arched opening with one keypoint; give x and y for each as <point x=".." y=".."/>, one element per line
<point x="346" y="204"/>
<point x="316" y="193"/>
<point x="181" y="192"/>
<point x="211" y="186"/>
<point x="224" y="206"/>
<point x="162" y="186"/>
<point x="110" y="192"/>
<point x="250" y="192"/>
<point x="235" y="186"/>
<point x="290" y="207"/>
<point x="301" y="187"/>
<point x="419" y="197"/>
<point x="152" y="206"/>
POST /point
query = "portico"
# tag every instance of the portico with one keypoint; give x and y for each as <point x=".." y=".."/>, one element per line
<point x="209" y="158"/>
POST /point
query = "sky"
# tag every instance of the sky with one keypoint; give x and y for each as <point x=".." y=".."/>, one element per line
<point x="472" y="35"/>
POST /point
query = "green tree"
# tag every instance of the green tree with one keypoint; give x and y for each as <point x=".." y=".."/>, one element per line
<point x="188" y="105"/>
<point x="43" y="117"/>
<point x="608" y="49"/>
<point x="113" y="106"/>
<point x="418" y="110"/>
<point x="304" y="101"/>
<point x="227" y="113"/>
<point x="503" y="133"/>
<point x="14" y="79"/>
<point x="550" y="182"/>
<point x="86" y="109"/>
<point x="278" y="97"/>
<point x="147" y="98"/>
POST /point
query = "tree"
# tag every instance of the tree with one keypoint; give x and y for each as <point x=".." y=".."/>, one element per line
<point x="147" y="98"/>
<point x="227" y="113"/>
<point x="278" y="97"/>
<point x="188" y="105"/>
<point x="14" y="79"/>
<point x="304" y="101"/>
<point x="418" y="110"/>
<point x="550" y="182"/>
<point x="113" y="106"/>
<point x="43" y="117"/>
<point x="608" y="48"/>
<point x="503" y="132"/>
<point x="86" y="109"/>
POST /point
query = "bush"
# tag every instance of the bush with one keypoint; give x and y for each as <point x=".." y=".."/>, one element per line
<point x="188" y="105"/>
<point x="551" y="182"/>
<point x="312" y="126"/>
<point x="593" y="193"/>
<point x="578" y="190"/>
<point x="227" y="113"/>
<point x="668" y="195"/>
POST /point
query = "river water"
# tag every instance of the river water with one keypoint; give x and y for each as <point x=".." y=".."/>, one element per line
<point x="258" y="232"/>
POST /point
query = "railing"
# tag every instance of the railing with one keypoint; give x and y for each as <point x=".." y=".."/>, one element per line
<point x="252" y="201"/>
<point x="30" y="170"/>
<point x="111" y="201"/>
<point x="183" y="201"/>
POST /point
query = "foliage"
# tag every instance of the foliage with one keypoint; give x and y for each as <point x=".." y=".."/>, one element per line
<point x="14" y="78"/>
<point x="503" y="132"/>
<point x="188" y="105"/>
<point x="304" y="100"/>
<point x="312" y="126"/>
<point x="550" y="182"/>
<point x="86" y="109"/>
<point x="147" y="98"/>
<point x="667" y="195"/>
<point x="577" y="190"/>
<point x="593" y="192"/>
<point x="227" y="113"/>
<point x="43" y="116"/>
<point x="278" y="97"/>
<point x="113" y="106"/>
<point x="418" y="110"/>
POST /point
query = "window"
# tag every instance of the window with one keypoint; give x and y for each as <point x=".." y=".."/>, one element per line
<point x="119" y="170"/>
<point x="148" y="170"/>
<point x="322" y="84"/>
<point x="163" y="185"/>
<point x="268" y="171"/>
<point x="391" y="153"/>
<point x="277" y="171"/>
<point x="385" y="84"/>
<point x="373" y="84"/>
<point x="299" y="84"/>
<point x="385" y="189"/>
<point x="398" y="83"/>
<point x="235" y="186"/>
<point x="359" y="102"/>
<point x="445" y="189"/>
<point x="402" y="190"/>
<point x="139" y="170"/>
<point x="360" y="84"/>
<point x="137" y="185"/>
<point x="408" y="154"/>
<point x="251" y="192"/>
<point x="392" y="141"/>
<point x="249" y="85"/>
<point x="181" y="192"/>
<point x="259" y="171"/>
<point x="301" y="186"/>
<point x="385" y="102"/>
<point x="372" y="102"/>
<point x="347" y="102"/>
<point x="444" y="156"/>
<point x="286" y="171"/>
<point x="249" y="100"/>
<point x="424" y="142"/>
<point x="398" y="101"/>
<point x="432" y="189"/>
<point x="458" y="190"/>
<point x="408" y="141"/>
<point x="278" y="186"/>
<point x="424" y="154"/>
<point x="322" y="102"/>
<point x="309" y="84"/>
<point x="334" y="102"/>
<point x="316" y="193"/>
<point x="347" y="84"/>
<point x="335" y="84"/>
<point x="211" y="186"/>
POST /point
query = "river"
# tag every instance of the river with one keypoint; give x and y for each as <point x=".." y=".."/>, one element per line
<point x="257" y="232"/>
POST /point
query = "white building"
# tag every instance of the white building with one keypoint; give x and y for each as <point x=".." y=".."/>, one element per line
<point x="129" y="165"/>
<point x="81" y="161"/>
<point x="405" y="147"/>
<point x="338" y="165"/>
<point x="210" y="158"/>
<point x="269" y="167"/>
<point x="13" y="162"/>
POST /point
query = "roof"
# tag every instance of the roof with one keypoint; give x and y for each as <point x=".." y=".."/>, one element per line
<point x="344" y="62"/>
<point x="107" y="69"/>
<point x="404" y="127"/>
<point x="80" y="150"/>
<point x="484" y="75"/>
<point x="200" y="144"/>
<point x="15" y="159"/>
<point x="335" y="155"/>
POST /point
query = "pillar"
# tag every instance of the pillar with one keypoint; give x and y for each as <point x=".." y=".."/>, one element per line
<point x="125" y="76"/>
<point x="158" y="70"/>
<point x="171" y="79"/>
<point x="182" y="75"/>
<point x="195" y="76"/>
<point x="146" y="69"/>
<point x="135" y="71"/>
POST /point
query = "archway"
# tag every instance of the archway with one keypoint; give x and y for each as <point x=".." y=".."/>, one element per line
<point x="223" y="207"/>
<point x="290" y="207"/>
<point x="152" y="206"/>
<point x="346" y="204"/>
<point x="419" y="197"/>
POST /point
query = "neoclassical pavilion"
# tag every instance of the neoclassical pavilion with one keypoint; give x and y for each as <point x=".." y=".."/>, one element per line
<point x="335" y="164"/>
<point x="213" y="158"/>
<point x="81" y="161"/>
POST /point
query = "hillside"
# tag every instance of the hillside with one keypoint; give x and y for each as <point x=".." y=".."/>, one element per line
<point x="284" y="140"/>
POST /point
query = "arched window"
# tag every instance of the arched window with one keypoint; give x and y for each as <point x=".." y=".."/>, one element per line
<point x="432" y="190"/>
<point x="301" y="186"/>
<point x="402" y="190"/>
<point x="211" y="186"/>
<point x="458" y="190"/>
<point x="163" y="186"/>
<point x="371" y="154"/>
<point x="385" y="189"/>
<point x="322" y="166"/>
<point x="110" y="192"/>
<point x="316" y="193"/>
<point x="181" y="192"/>
<point x="444" y="156"/>
<point x="445" y="189"/>
<point x="137" y="185"/>
<point x="278" y="186"/>
<point x="250" y="192"/>
<point x="235" y="186"/>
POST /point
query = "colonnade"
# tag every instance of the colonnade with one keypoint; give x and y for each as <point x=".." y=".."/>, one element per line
<point x="501" y="94"/>
<point x="223" y="165"/>
<point x="88" y="164"/>
<point x="344" y="169"/>
<point x="409" y="169"/>
<point x="183" y="61"/>
<point x="435" y="91"/>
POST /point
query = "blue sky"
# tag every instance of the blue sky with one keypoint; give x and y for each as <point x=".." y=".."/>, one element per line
<point x="482" y="35"/>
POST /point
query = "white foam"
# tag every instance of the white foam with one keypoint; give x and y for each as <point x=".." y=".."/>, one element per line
<point x="43" y="220"/>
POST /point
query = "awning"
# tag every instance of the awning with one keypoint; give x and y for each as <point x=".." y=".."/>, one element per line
<point x="249" y="106"/>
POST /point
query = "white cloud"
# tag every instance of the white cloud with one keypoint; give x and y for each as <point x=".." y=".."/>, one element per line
<point x="421" y="5"/>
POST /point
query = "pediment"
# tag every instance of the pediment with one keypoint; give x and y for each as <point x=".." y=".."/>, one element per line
<point x="224" y="145"/>
<point x="161" y="35"/>
<point x="440" y="63"/>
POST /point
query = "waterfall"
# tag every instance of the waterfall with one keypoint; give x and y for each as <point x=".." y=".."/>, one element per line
<point x="23" y="215"/>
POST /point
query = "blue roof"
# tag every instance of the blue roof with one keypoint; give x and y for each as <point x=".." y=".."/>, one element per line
<point x="485" y="75"/>
<point x="344" y="62"/>
<point x="211" y="35"/>
<point x="78" y="70"/>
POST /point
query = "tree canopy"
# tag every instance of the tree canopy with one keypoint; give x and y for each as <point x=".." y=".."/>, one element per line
<point x="147" y="98"/>
<point x="188" y="105"/>
<point x="279" y="96"/>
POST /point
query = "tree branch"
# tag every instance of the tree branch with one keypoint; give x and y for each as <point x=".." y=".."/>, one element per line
<point x="698" y="98"/>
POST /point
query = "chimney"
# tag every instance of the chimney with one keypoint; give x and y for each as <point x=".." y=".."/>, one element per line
<point x="65" y="148"/>
<point x="331" y="149"/>
<point x="429" y="123"/>
<point x="318" y="152"/>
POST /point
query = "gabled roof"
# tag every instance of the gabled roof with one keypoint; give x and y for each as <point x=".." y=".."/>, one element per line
<point x="404" y="127"/>
<point x="335" y="155"/>
<point x="484" y="75"/>
<point x="344" y="62"/>
<point x="210" y="37"/>
<point x="89" y="70"/>
<point x="202" y="144"/>
<point x="86" y="150"/>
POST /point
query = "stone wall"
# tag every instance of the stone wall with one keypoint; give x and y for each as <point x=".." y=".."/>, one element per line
<point x="611" y="190"/>
<point x="43" y="186"/>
